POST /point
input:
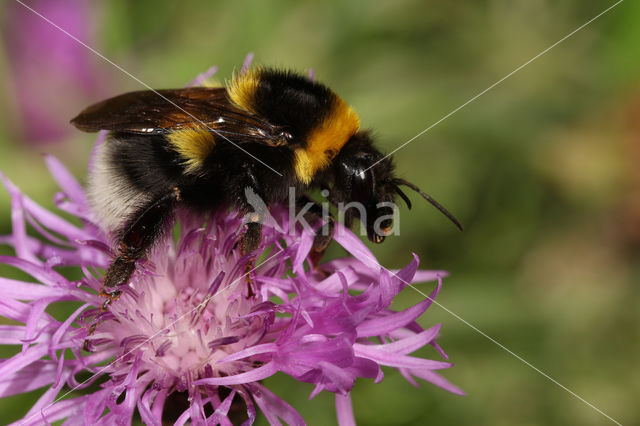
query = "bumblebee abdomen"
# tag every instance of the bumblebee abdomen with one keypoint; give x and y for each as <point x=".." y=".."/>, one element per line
<point x="128" y="172"/>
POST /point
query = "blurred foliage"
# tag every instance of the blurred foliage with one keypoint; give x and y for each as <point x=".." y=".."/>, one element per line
<point x="542" y="170"/>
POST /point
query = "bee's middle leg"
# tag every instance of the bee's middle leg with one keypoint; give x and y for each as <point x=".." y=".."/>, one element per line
<point x="254" y="205"/>
<point x="139" y="236"/>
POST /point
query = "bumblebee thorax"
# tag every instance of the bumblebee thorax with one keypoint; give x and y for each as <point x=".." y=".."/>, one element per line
<point x="320" y="121"/>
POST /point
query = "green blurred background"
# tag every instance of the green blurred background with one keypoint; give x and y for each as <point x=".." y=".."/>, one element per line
<point x="542" y="170"/>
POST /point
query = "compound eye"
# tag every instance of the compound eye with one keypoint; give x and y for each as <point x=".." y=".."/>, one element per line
<point x="362" y="183"/>
<point x="286" y="135"/>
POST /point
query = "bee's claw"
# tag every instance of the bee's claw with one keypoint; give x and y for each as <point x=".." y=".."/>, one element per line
<point x="111" y="296"/>
<point x="249" y="270"/>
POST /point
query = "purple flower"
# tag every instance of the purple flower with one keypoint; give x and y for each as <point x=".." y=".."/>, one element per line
<point x="184" y="329"/>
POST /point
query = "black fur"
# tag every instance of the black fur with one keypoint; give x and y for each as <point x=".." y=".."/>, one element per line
<point x="293" y="101"/>
<point x="145" y="161"/>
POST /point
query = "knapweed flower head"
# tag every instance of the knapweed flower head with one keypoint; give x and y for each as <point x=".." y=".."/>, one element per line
<point x="185" y="328"/>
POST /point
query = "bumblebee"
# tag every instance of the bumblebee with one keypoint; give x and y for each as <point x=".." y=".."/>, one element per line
<point x="206" y="148"/>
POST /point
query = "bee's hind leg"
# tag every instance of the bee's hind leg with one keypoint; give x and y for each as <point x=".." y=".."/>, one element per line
<point x="147" y="225"/>
<point x="251" y="238"/>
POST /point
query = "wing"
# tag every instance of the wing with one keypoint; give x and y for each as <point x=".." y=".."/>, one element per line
<point x="164" y="111"/>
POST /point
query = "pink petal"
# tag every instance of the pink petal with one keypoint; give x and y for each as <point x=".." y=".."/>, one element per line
<point x="405" y="275"/>
<point x="222" y="412"/>
<point x="158" y="403"/>
<point x="37" y="311"/>
<point x="14" y="364"/>
<point x="184" y="417"/>
<point x="344" y="410"/>
<point x="333" y="283"/>
<point x="202" y="78"/>
<point x="394" y="360"/>
<point x="47" y="398"/>
<point x="273" y="407"/>
<point x="437" y="380"/>
<point x="14" y="335"/>
<point x="306" y="242"/>
<point x="52" y="221"/>
<point x="14" y="310"/>
<point x="18" y="223"/>
<point x="382" y="325"/>
<point x="250" y="351"/>
<point x="253" y="375"/>
<point x="426" y="276"/>
<point x="247" y="63"/>
<point x="251" y="409"/>
<point x="45" y="276"/>
<point x="66" y="181"/>
<point x="58" y="411"/>
<point x="410" y="344"/>
<point x="21" y="290"/>
<point x="353" y="245"/>
<point x="60" y="332"/>
<point x="36" y="375"/>
<point x="342" y="378"/>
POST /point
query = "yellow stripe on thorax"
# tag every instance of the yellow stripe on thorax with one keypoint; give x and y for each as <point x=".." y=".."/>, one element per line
<point x="243" y="87"/>
<point x="193" y="145"/>
<point x="326" y="140"/>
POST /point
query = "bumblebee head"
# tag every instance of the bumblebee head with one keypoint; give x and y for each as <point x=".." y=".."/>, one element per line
<point x="364" y="183"/>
